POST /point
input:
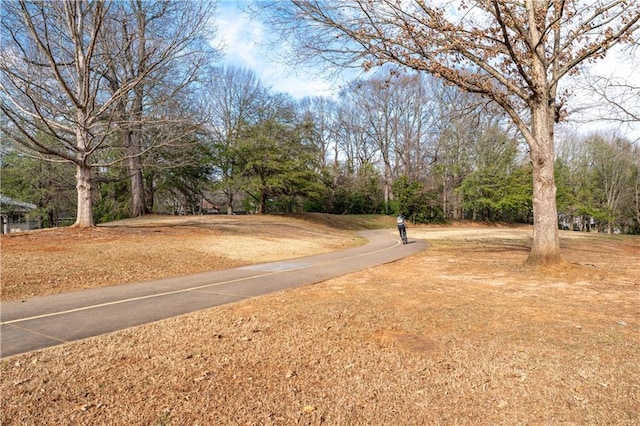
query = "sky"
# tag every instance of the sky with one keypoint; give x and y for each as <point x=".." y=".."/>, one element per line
<point x="244" y="46"/>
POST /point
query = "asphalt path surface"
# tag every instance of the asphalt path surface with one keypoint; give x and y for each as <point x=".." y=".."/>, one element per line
<point x="39" y="322"/>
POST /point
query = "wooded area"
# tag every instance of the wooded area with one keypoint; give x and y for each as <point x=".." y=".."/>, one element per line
<point x="118" y="109"/>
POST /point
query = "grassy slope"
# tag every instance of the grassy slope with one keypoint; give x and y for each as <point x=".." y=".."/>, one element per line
<point x="460" y="334"/>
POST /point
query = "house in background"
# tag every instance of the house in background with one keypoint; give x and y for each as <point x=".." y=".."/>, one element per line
<point x="13" y="215"/>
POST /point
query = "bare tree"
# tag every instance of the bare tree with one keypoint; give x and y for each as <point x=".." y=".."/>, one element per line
<point x="415" y="118"/>
<point x="460" y="120"/>
<point x="320" y="115"/>
<point x="395" y="118"/>
<point x="634" y="206"/>
<point x="83" y="80"/>
<point x="514" y="53"/>
<point x="609" y="100"/>
<point x="613" y="168"/>
<point x="167" y="45"/>
<point x="351" y="134"/>
<point x="234" y="100"/>
<point x="51" y="76"/>
<point x="373" y="100"/>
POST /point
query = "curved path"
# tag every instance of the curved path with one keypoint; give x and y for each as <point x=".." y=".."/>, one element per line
<point x="40" y="322"/>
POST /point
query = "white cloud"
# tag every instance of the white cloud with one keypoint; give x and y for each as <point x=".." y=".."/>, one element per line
<point x="238" y="35"/>
<point x="244" y="45"/>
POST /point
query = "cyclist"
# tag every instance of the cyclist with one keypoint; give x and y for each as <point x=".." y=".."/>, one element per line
<point x="402" y="228"/>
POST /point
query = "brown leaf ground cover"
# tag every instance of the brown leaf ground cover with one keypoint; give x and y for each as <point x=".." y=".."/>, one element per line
<point x="459" y="334"/>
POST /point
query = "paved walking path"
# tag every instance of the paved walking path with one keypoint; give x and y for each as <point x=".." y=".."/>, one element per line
<point x="40" y="322"/>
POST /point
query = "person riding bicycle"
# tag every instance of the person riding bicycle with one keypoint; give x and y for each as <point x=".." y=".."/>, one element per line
<point x="402" y="228"/>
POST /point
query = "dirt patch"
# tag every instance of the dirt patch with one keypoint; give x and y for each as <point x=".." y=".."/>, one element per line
<point x="459" y="334"/>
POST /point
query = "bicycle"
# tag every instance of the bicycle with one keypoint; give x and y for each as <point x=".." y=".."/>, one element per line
<point x="402" y="228"/>
<point x="403" y="233"/>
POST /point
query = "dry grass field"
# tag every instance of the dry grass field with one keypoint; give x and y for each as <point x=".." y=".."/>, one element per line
<point x="461" y="334"/>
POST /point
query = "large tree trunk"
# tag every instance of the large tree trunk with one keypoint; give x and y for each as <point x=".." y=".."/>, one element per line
<point x="388" y="196"/>
<point x="545" y="247"/>
<point x="138" y="206"/>
<point x="230" y="201"/>
<point x="84" y="217"/>
<point x="457" y="199"/>
<point x="262" y="207"/>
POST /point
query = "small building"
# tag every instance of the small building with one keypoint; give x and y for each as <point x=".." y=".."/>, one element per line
<point x="14" y="215"/>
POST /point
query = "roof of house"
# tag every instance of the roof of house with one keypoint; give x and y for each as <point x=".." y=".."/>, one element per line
<point x="15" y="204"/>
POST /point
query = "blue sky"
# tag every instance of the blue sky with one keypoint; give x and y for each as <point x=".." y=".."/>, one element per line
<point x="244" y="47"/>
<point x="244" y="40"/>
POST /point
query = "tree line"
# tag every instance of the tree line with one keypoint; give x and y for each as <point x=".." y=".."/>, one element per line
<point x="129" y="95"/>
<point x="406" y="143"/>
